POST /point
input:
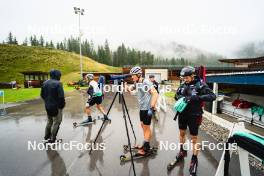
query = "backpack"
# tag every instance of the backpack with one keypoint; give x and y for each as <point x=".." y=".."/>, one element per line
<point x="101" y="82"/>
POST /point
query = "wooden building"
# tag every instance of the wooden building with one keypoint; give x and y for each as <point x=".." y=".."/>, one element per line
<point x="250" y="63"/>
<point x="34" y="78"/>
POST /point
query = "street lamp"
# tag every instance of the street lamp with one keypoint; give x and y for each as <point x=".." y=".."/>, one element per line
<point x="80" y="12"/>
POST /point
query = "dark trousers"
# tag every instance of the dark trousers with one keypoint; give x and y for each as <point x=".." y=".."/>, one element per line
<point x="53" y="125"/>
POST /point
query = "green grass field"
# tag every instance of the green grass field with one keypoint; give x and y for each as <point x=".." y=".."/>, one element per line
<point x="15" y="59"/>
<point x="170" y="94"/>
<point x="20" y="95"/>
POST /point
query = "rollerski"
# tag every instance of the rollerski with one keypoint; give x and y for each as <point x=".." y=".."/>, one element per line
<point x="84" y="123"/>
<point x="181" y="155"/>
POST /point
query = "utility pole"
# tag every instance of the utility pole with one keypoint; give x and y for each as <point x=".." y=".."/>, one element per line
<point x="80" y="12"/>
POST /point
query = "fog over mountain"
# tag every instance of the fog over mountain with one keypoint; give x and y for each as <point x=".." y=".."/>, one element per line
<point x="252" y="49"/>
<point x="177" y="50"/>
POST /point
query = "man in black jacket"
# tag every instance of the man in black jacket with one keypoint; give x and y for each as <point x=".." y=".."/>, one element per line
<point x="53" y="95"/>
<point x="195" y="92"/>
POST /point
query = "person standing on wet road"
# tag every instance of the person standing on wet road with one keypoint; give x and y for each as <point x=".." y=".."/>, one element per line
<point x="147" y="98"/>
<point x="195" y="92"/>
<point x="53" y="95"/>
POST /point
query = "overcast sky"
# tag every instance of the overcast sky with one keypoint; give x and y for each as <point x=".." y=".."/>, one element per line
<point x="214" y="25"/>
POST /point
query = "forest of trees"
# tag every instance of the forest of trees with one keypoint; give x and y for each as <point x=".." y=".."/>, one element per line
<point x="123" y="55"/>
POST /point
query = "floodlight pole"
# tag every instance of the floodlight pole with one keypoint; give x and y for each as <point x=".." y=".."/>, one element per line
<point x="80" y="40"/>
<point x="80" y="12"/>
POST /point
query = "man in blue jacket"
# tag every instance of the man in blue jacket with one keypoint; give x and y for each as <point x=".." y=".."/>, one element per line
<point x="53" y="95"/>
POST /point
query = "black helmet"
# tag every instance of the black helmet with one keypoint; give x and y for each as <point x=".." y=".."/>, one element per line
<point x="187" y="71"/>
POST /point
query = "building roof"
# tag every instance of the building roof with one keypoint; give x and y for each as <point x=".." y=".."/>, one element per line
<point x="243" y="60"/>
<point x="241" y="78"/>
<point x="34" y="72"/>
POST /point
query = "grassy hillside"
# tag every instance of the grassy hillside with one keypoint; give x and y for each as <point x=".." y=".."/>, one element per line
<point x="15" y="59"/>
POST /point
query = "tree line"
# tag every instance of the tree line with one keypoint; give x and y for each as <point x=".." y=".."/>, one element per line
<point x="123" y="55"/>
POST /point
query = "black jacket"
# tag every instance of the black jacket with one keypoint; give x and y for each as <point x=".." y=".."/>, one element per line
<point x="52" y="93"/>
<point x="196" y="93"/>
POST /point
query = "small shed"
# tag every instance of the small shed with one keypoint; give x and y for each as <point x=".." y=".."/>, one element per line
<point x="34" y="78"/>
<point x="160" y="74"/>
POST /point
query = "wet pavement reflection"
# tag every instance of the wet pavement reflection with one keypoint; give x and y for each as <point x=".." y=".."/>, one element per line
<point x="27" y="123"/>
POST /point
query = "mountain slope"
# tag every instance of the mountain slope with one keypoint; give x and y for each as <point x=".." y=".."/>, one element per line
<point x="15" y="59"/>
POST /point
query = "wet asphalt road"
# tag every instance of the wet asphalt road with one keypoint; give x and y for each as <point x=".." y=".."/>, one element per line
<point x="27" y="123"/>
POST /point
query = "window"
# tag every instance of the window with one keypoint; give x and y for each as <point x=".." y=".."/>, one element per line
<point x="26" y="77"/>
